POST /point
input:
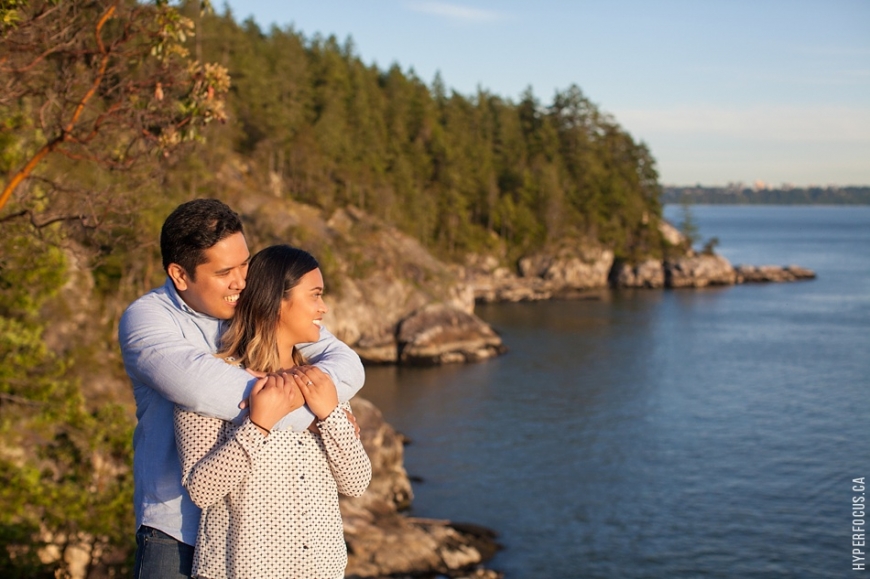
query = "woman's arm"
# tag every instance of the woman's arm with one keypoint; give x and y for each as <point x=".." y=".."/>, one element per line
<point x="215" y="455"/>
<point x="348" y="460"/>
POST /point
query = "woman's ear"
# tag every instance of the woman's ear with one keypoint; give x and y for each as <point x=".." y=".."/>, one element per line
<point x="285" y="304"/>
<point x="178" y="276"/>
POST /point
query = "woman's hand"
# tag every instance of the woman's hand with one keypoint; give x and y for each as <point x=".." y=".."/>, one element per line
<point x="317" y="388"/>
<point x="272" y="398"/>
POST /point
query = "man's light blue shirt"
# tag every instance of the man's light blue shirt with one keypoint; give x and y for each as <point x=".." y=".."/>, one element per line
<point x="168" y="353"/>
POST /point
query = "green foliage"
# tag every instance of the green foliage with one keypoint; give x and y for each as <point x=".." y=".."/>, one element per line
<point x="710" y="246"/>
<point x="64" y="469"/>
<point x="459" y="173"/>
<point x="102" y="83"/>
<point x="687" y="225"/>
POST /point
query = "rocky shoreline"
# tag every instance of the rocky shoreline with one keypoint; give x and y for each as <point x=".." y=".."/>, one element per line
<point x="572" y="276"/>
<point x="382" y="542"/>
<point x="398" y="304"/>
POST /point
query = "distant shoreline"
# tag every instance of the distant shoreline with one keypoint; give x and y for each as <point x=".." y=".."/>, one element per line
<point x="740" y="195"/>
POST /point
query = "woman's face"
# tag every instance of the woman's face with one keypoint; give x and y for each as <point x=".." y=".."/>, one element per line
<point x="302" y="311"/>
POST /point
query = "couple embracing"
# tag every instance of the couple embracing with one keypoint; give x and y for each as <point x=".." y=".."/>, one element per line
<point x="244" y="436"/>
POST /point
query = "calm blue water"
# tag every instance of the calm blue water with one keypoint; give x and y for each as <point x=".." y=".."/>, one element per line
<point x="663" y="434"/>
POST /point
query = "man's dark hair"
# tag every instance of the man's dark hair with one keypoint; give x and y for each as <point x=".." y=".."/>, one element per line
<point x="194" y="227"/>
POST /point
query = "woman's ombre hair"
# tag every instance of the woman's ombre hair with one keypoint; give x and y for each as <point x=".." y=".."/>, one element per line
<point x="251" y="338"/>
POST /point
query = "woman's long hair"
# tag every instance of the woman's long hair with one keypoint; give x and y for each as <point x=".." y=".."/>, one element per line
<point x="251" y="338"/>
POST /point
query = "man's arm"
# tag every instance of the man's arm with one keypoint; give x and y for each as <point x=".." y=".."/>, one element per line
<point x="157" y="354"/>
<point x="339" y="361"/>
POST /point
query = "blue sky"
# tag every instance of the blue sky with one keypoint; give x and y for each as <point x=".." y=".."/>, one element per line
<point x="721" y="91"/>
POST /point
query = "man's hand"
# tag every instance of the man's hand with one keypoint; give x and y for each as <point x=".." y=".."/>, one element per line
<point x="271" y="398"/>
<point x="317" y="388"/>
<point x="257" y="374"/>
<point x="353" y="421"/>
<point x="350" y="418"/>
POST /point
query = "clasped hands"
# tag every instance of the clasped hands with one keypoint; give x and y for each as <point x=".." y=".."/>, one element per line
<point x="276" y="395"/>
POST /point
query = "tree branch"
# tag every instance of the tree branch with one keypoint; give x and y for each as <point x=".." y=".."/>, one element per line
<point x="51" y="220"/>
<point x="28" y="168"/>
<point x="101" y="73"/>
<point x="97" y="160"/>
<point x="15" y="399"/>
<point x="25" y="172"/>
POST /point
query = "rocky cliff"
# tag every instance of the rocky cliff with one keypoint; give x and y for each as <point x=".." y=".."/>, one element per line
<point x="384" y="543"/>
<point x="390" y="299"/>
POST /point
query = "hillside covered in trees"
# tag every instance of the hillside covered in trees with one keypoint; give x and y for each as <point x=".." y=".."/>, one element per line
<point x="113" y="112"/>
<point x="456" y="171"/>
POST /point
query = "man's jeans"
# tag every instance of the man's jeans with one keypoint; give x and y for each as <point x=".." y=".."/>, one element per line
<point x="159" y="556"/>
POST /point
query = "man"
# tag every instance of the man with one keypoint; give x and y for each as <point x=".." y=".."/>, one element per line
<point x="167" y="339"/>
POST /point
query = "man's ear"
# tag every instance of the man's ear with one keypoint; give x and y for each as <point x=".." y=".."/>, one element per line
<point x="178" y="276"/>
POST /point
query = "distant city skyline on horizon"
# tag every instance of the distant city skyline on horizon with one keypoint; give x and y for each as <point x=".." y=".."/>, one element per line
<point x="719" y="92"/>
<point x="762" y="186"/>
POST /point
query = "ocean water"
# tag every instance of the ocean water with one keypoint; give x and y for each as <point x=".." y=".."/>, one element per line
<point x="663" y="434"/>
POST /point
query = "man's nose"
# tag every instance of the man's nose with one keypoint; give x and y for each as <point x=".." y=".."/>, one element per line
<point x="238" y="282"/>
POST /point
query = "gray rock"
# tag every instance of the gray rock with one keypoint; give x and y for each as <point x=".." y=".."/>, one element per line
<point x="383" y="276"/>
<point x="699" y="271"/>
<point x="582" y="267"/>
<point x="511" y="289"/>
<point x="646" y="274"/>
<point x="384" y="543"/>
<point x="378" y="349"/>
<point x="772" y="273"/>
<point x="671" y="234"/>
<point x="557" y="273"/>
<point x="441" y="334"/>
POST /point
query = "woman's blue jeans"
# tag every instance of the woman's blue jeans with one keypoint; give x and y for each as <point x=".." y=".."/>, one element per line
<point x="159" y="556"/>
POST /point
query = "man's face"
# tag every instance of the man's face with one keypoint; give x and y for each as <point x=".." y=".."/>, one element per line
<point x="219" y="280"/>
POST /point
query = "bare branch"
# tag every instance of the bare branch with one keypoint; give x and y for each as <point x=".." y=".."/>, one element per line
<point x="15" y="215"/>
<point x="15" y="399"/>
<point x="52" y="220"/>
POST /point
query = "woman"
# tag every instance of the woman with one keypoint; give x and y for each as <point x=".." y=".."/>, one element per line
<point x="269" y="498"/>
